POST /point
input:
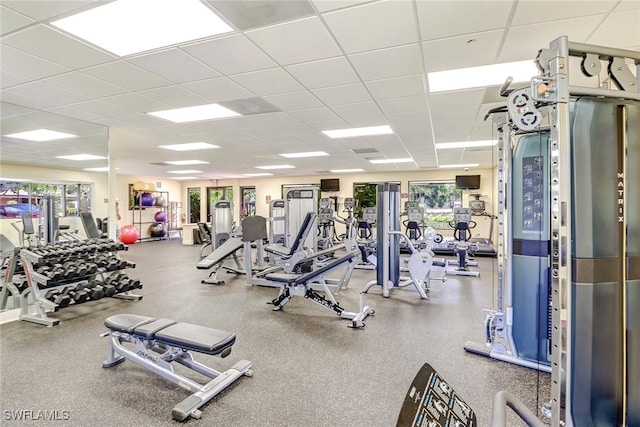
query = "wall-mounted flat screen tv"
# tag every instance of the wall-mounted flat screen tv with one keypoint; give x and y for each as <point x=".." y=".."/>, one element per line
<point x="468" y="182"/>
<point x="331" y="184"/>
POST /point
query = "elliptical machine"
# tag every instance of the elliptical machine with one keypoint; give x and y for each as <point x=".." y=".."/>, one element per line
<point x="462" y="224"/>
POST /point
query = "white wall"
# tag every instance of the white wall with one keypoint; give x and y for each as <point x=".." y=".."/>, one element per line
<point x="99" y="191"/>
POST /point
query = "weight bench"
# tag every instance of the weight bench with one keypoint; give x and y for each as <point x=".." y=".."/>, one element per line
<point x="217" y="259"/>
<point x="302" y="285"/>
<point x="158" y="342"/>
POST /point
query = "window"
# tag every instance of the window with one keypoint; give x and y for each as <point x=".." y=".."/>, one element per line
<point x="193" y="205"/>
<point x="437" y="199"/>
<point x="365" y="195"/>
<point x="217" y="193"/>
<point x="18" y="196"/>
<point x="248" y="201"/>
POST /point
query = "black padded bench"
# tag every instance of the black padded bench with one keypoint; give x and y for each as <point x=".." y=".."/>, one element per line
<point x="158" y="342"/>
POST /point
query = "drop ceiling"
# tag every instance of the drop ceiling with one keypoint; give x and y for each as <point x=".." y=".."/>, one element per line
<point x="296" y="68"/>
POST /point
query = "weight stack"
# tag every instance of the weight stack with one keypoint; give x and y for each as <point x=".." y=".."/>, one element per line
<point x="530" y="248"/>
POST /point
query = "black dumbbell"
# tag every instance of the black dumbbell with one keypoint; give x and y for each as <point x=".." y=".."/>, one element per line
<point x="56" y="297"/>
<point x="69" y="270"/>
<point x="92" y="267"/>
<point x="122" y="263"/>
<point x="134" y="284"/>
<point x="121" y="282"/>
<point x="77" y="293"/>
<point x="112" y="264"/>
<point x="95" y="290"/>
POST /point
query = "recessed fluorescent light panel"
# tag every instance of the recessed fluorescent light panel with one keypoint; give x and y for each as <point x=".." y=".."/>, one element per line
<point x="195" y="114"/>
<point x="346" y="170"/>
<point x="81" y="157"/>
<point x="386" y="161"/>
<point x="307" y="154"/>
<point x="465" y="144"/>
<point x="275" y="167"/>
<point x="257" y="174"/>
<point x="104" y="169"/>
<point x="468" y="165"/>
<point x="39" y="135"/>
<point x="131" y="26"/>
<point x="486" y="75"/>
<point x="186" y="171"/>
<point x="353" y="132"/>
<point x="186" y="162"/>
<point x="191" y="146"/>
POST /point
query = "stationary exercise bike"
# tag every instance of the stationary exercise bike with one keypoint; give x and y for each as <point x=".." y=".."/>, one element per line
<point x="462" y="224"/>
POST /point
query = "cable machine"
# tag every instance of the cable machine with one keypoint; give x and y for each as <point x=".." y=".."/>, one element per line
<point x="587" y="326"/>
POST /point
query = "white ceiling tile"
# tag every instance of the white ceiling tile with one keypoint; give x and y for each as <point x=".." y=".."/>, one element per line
<point x="11" y="20"/>
<point x="297" y="41"/>
<point x="44" y="10"/>
<point x="76" y="113"/>
<point x="396" y="87"/>
<point x="535" y="12"/>
<point x="360" y="114"/>
<point x="452" y="130"/>
<point x="27" y="101"/>
<point x="388" y="63"/>
<point x="219" y="89"/>
<point x="314" y="114"/>
<point x="627" y="5"/>
<point x="328" y="124"/>
<point x="83" y="84"/>
<point x="58" y="48"/>
<point x="174" y="65"/>
<point x="103" y="108"/>
<point x="409" y="104"/>
<point x="268" y="82"/>
<point x="122" y="73"/>
<point x="23" y="64"/>
<point x="47" y="93"/>
<point x="175" y="96"/>
<point x="453" y="99"/>
<point x="467" y="112"/>
<point x="327" y="5"/>
<point x="524" y="42"/>
<point x="324" y="73"/>
<point x="439" y="19"/>
<point x="379" y="25"/>
<point x="137" y="103"/>
<point x="345" y="94"/>
<point x="293" y="100"/>
<point x="230" y="55"/>
<point x="9" y="79"/>
<point x="481" y="51"/>
<point x="620" y="29"/>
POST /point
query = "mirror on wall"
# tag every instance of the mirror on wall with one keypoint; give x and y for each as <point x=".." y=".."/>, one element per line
<point x="47" y="155"/>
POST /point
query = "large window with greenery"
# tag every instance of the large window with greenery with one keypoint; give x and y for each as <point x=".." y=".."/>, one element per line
<point x="437" y="199"/>
<point x="217" y="193"/>
<point x="193" y="205"/>
<point x="248" y="197"/>
<point x="17" y="197"/>
<point x="365" y="196"/>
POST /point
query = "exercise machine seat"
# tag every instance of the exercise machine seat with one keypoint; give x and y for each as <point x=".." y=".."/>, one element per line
<point x="178" y="334"/>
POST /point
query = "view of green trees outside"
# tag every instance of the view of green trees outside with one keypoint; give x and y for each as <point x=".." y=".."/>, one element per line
<point x="217" y="193"/>
<point x="194" y="205"/>
<point x="365" y="196"/>
<point x="438" y="200"/>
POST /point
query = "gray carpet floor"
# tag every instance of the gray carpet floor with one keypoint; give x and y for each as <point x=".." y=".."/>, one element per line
<point x="310" y="369"/>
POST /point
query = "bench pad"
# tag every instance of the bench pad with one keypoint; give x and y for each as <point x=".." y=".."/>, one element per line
<point x="177" y="334"/>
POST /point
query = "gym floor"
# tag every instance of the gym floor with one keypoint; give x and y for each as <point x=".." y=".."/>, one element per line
<point x="310" y="369"/>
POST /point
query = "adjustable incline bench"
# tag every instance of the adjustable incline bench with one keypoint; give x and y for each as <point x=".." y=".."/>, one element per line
<point x="158" y="342"/>
<point x="302" y="285"/>
<point x="217" y="259"/>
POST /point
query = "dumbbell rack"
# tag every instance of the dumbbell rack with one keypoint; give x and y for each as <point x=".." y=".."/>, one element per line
<point x="10" y="258"/>
<point x="91" y="259"/>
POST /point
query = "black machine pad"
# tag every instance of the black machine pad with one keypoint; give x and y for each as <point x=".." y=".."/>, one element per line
<point x="183" y="335"/>
<point x="304" y="278"/>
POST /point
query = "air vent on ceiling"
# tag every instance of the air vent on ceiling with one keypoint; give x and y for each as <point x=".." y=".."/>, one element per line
<point x="364" y="150"/>
<point x="246" y="14"/>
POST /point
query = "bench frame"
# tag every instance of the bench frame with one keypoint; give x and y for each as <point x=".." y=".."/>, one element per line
<point x="156" y="356"/>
